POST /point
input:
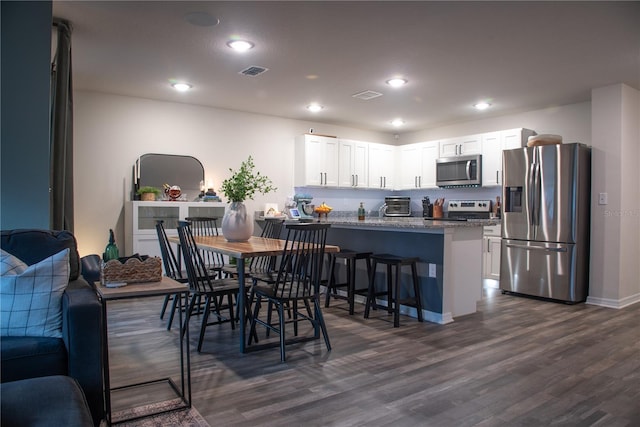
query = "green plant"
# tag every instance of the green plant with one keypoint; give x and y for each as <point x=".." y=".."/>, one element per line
<point x="244" y="183"/>
<point x="148" y="189"/>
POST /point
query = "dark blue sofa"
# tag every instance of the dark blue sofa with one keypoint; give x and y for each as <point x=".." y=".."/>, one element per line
<point x="79" y="353"/>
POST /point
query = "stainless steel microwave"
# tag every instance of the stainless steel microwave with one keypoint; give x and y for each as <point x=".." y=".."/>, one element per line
<point x="460" y="171"/>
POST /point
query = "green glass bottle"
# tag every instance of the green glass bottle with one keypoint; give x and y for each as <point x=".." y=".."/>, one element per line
<point x="361" y="212"/>
<point x="111" y="251"/>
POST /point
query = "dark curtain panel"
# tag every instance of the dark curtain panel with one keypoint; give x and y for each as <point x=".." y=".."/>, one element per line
<point x="62" y="131"/>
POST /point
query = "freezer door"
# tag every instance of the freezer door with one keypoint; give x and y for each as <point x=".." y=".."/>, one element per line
<point x="517" y="193"/>
<point x="548" y="270"/>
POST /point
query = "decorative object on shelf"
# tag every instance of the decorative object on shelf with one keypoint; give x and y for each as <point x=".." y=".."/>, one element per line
<point x="148" y="194"/>
<point x="237" y="223"/>
<point x="173" y="192"/>
<point x="111" y="251"/>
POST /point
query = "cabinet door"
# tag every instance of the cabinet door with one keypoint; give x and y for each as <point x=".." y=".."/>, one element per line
<point x="491" y="159"/>
<point x="381" y="166"/>
<point x="494" y="251"/>
<point x="461" y="146"/>
<point x="409" y="166"/>
<point x="449" y="148"/>
<point x="346" y="158"/>
<point x="429" y="152"/>
<point x="318" y="160"/>
<point x="354" y="164"/>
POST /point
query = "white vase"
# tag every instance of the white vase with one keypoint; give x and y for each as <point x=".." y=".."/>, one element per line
<point x="237" y="224"/>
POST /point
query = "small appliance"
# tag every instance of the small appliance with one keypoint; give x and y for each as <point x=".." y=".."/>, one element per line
<point x="304" y="208"/>
<point x="463" y="210"/>
<point x="459" y="171"/>
<point x="396" y="206"/>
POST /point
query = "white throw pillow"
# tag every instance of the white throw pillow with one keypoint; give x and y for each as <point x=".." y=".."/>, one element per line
<point x="31" y="296"/>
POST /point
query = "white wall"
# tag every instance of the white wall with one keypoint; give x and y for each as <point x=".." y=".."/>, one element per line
<point x="615" y="227"/>
<point x="111" y="132"/>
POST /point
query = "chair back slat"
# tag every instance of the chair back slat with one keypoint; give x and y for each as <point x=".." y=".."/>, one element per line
<point x="207" y="226"/>
<point x="169" y="260"/>
<point x="197" y="270"/>
<point x="265" y="264"/>
<point x="300" y="267"/>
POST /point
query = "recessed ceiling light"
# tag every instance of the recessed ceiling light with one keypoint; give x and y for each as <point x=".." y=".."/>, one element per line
<point x="396" y="82"/>
<point x="482" y="105"/>
<point x="314" y="108"/>
<point x="240" y="45"/>
<point x="181" y="87"/>
<point x="397" y="122"/>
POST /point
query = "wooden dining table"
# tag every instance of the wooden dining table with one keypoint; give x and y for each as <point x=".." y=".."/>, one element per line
<point x="254" y="247"/>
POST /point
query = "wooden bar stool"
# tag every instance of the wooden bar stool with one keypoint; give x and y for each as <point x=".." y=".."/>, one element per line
<point x="393" y="286"/>
<point x="332" y="287"/>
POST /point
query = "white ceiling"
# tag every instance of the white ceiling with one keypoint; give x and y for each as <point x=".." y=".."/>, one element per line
<point x="519" y="55"/>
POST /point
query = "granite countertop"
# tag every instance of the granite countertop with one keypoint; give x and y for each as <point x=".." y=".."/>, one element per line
<point x="409" y="222"/>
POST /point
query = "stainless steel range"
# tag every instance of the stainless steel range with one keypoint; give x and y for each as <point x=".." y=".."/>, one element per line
<point x="463" y="210"/>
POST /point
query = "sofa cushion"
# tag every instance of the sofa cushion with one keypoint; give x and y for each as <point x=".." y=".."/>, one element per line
<point x="32" y="246"/>
<point x="31" y="296"/>
<point x="47" y="401"/>
<point x="30" y="357"/>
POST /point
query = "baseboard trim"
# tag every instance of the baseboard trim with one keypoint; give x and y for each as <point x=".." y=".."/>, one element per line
<point x="614" y="303"/>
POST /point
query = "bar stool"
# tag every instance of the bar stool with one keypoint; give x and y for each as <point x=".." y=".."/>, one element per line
<point x="393" y="289"/>
<point x="332" y="287"/>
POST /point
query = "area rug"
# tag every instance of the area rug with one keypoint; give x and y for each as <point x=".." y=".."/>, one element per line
<point x="189" y="417"/>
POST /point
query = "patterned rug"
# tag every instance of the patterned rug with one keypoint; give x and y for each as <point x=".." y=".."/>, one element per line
<point x="180" y="417"/>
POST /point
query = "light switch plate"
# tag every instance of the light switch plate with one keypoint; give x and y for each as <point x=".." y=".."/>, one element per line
<point x="603" y="198"/>
<point x="432" y="270"/>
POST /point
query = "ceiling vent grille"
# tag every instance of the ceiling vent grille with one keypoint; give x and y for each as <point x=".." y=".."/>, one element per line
<point x="253" y="71"/>
<point x="367" y="95"/>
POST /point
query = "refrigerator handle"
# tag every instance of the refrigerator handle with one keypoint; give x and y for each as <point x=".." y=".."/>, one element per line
<point x="469" y="169"/>
<point x="536" y="248"/>
<point x="537" y="194"/>
<point x="530" y="192"/>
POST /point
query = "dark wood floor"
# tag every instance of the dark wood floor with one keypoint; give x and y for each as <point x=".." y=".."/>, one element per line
<point x="516" y="362"/>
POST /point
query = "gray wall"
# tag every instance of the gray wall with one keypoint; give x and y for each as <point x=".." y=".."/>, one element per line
<point x="26" y="55"/>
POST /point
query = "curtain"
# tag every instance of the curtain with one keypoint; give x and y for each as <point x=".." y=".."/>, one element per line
<point x="62" y="131"/>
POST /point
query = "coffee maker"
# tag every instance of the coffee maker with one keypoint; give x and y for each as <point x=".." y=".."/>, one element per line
<point x="305" y="208"/>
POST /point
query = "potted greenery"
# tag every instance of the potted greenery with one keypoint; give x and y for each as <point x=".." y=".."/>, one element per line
<point x="148" y="193"/>
<point x="237" y="225"/>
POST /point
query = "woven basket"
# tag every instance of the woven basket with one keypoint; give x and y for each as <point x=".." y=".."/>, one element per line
<point x="132" y="271"/>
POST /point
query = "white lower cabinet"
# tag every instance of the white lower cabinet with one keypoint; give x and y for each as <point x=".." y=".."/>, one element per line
<point x="491" y="252"/>
<point x="140" y="222"/>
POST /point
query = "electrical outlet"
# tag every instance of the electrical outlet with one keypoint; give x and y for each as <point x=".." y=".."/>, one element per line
<point x="603" y="198"/>
<point x="432" y="270"/>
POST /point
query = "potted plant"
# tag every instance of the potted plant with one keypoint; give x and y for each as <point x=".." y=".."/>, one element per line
<point x="148" y="193"/>
<point x="244" y="183"/>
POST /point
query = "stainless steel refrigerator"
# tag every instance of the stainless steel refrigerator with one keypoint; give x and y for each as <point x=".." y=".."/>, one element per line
<point x="545" y="225"/>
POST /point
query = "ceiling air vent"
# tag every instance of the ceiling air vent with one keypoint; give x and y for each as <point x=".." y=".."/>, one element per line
<point x="253" y="71"/>
<point x="367" y="95"/>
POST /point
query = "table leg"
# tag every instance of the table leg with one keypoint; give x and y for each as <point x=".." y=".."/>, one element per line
<point x="241" y="301"/>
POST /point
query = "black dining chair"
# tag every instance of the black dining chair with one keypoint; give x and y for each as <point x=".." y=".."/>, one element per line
<point x="208" y="226"/>
<point x="171" y="269"/>
<point x="204" y="287"/>
<point x="297" y="283"/>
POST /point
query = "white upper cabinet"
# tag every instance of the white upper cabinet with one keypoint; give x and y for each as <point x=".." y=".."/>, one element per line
<point x="417" y="165"/>
<point x="493" y="143"/>
<point x="353" y="171"/>
<point x="381" y="166"/>
<point x="461" y="146"/>
<point x="316" y="161"/>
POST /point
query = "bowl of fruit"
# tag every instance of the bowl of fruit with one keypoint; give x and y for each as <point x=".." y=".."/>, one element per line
<point x="323" y="210"/>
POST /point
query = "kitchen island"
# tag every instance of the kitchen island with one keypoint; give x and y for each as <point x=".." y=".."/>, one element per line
<point x="450" y="253"/>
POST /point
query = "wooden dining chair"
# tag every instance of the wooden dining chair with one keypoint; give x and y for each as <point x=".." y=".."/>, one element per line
<point x="297" y="283"/>
<point x="171" y="269"/>
<point x="203" y="286"/>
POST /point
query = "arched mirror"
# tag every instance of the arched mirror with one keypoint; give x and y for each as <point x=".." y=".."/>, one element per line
<point x="155" y="170"/>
